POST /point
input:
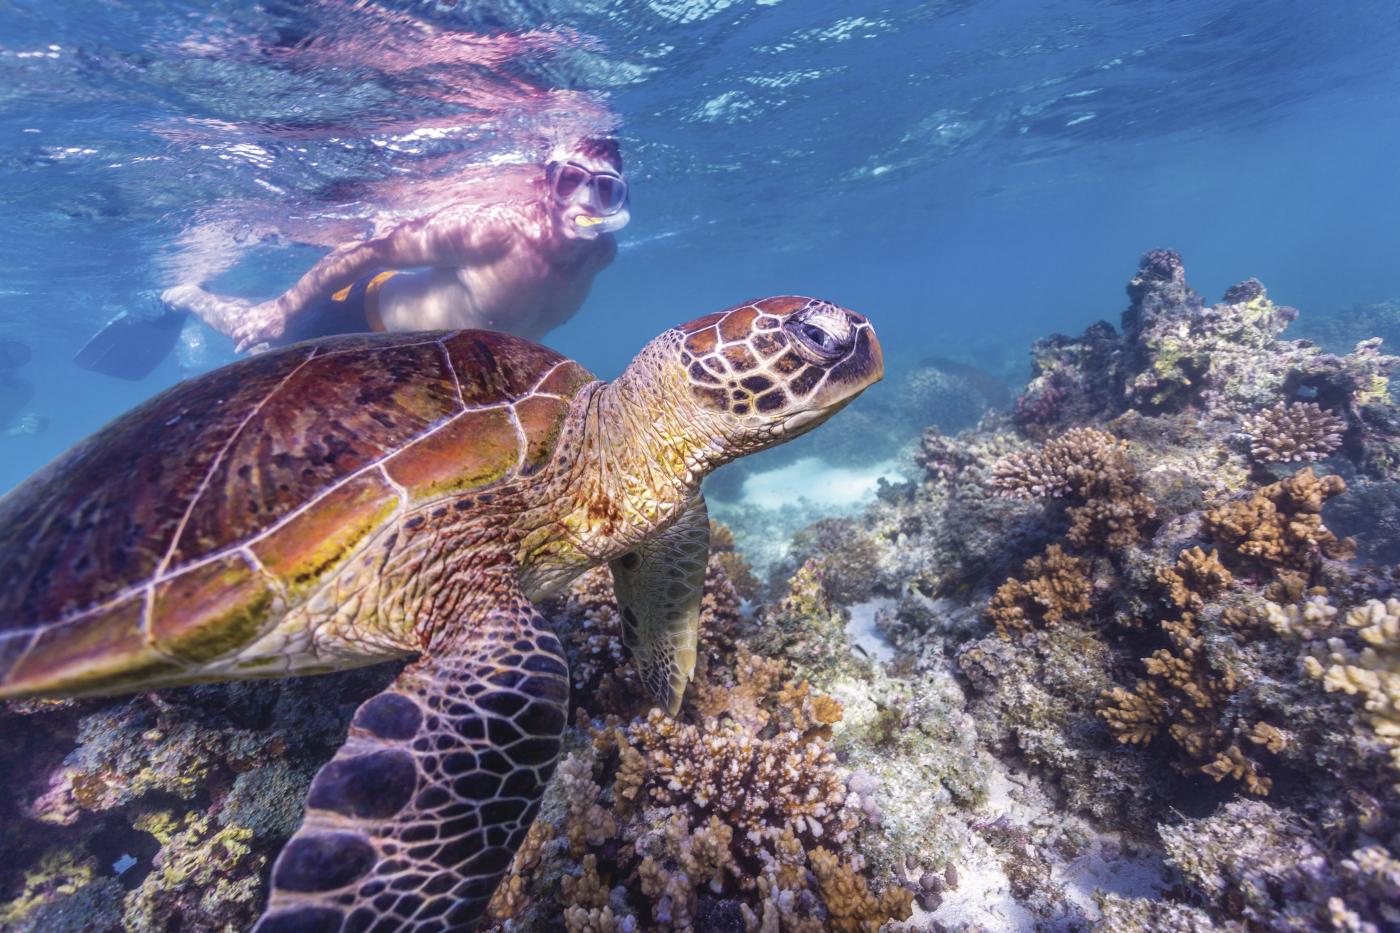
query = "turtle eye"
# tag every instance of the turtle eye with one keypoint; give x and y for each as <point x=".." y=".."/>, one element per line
<point x="818" y="340"/>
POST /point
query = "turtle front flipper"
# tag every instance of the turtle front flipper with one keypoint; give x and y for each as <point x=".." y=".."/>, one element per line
<point x="414" y="821"/>
<point x="659" y="585"/>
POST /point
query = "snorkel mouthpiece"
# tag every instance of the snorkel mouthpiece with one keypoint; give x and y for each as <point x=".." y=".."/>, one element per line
<point x="599" y="225"/>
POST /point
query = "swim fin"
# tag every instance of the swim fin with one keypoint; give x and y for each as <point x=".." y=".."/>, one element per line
<point x="130" y="346"/>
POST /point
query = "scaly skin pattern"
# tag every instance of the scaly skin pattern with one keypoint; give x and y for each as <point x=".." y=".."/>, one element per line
<point x="358" y="498"/>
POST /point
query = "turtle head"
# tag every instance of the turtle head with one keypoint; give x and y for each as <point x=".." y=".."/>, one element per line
<point x="765" y="372"/>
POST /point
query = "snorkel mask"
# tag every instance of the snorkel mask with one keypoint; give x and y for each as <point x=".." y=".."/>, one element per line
<point x="602" y="195"/>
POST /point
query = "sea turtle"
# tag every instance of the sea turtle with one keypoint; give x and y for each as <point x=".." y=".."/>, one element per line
<point x="344" y="501"/>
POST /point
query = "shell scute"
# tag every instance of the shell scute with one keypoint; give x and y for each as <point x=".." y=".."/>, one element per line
<point x="319" y="538"/>
<point x="566" y="379"/>
<point x="104" y="515"/>
<point x="210" y="610"/>
<point x="737" y="325"/>
<point x="782" y="305"/>
<point x="229" y="498"/>
<point x="701" y="323"/>
<point x="99" y="651"/>
<point x="473" y="450"/>
<point x="336" y="414"/>
<point x="541" y="419"/>
<point x="494" y="368"/>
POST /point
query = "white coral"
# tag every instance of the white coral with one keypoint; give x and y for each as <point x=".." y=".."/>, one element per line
<point x="1306" y="621"/>
<point x="1374" y="673"/>
<point x="1296" y="433"/>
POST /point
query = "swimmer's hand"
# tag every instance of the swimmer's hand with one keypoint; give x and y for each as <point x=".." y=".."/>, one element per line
<point x="258" y="326"/>
<point x="246" y="324"/>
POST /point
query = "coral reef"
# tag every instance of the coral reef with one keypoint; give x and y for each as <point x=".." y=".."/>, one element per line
<point x="1293" y="433"/>
<point x="1139" y="672"/>
<point x="735" y="815"/>
<point x="1158" y="594"/>
<point x="162" y="811"/>
<point x="1280" y="525"/>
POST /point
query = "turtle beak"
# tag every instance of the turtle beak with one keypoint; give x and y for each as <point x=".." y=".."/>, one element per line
<point x="861" y="367"/>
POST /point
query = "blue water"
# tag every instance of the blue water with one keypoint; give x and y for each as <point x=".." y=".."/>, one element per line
<point x="971" y="175"/>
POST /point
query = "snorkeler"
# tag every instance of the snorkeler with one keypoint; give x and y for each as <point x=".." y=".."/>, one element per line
<point x="520" y="266"/>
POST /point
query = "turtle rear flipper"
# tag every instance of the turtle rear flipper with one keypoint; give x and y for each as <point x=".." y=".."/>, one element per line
<point x="414" y="821"/>
<point x="659" y="585"/>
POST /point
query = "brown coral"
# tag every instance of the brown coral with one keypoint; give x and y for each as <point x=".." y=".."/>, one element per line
<point x="737" y="571"/>
<point x="1187" y="695"/>
<point x="1092" y="467"/>
<point x="1295" y="433"/>
<point x="851" y="906"/>
<point x="1195" y="577"/>
<point x="1280" y="525"/>
<point x="1056" y="588"/>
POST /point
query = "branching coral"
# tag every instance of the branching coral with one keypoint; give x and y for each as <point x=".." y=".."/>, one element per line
<point x="1056" y="587"/>
<point x="1092" y="467"/>
<point x="1373" y="673"/>
<point x="1187" y="695"/>
<point x="1196" y="577"/>
<point x="850" y="904"/>
<point x="1295" y="433"/>
<point x="756" y="785"/>
<point x="1306" y="621"/>
<point x="1280" y="525"/>
<point x="691" y="823"/>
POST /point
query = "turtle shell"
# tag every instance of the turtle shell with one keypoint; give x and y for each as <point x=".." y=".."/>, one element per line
<point x="176" y="533"/>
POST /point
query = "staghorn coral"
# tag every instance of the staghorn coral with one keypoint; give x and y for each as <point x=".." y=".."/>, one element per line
<point x="1373" y="673"/>
<point x="1055" y="588"/>
<point x="1293" y="433"/>
<point x="1280" y="525"/>
<point x="1092" y="467"/>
